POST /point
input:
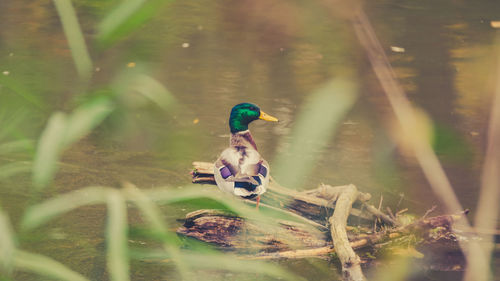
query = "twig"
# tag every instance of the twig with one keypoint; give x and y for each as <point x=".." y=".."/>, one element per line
<point x="305" y="253"/>
<point x="391" y="215"/>
<point x="377" y="218"/>
<point x="401" y="211"/>
<point x="376" y="212"/>
<point x="351" y="263"/>
<point x="296" y="254"/>
<point x="401" y="197"/>
<point x="429" y="211"/>
<point x="423" y="151"/>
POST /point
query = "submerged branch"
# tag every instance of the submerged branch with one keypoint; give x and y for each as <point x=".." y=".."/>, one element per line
<point x="327" y="208"/>
<point x="351" y="263"/>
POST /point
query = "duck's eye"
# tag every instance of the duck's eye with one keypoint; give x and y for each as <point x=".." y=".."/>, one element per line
<point x="253" y="108"/>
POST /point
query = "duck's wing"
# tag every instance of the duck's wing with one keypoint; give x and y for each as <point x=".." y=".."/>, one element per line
<point x="241" y="164"/>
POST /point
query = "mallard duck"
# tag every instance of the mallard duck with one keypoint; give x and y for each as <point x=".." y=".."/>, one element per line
<point x="240" y="170"/>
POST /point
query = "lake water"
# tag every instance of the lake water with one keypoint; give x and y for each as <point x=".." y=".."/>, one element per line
<point x="211" y="55"/>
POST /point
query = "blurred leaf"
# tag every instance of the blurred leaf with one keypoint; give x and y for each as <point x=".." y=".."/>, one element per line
<point x="400" y="269"/>
<point x="231" y="263"/>
<point x="116" y="237"/>
<point x="10" y="121"/>
<point x="45" y="266"/>
<point x="61" y="132"/>
<point x="385" y="168"/>
<point x="11" y="169"/>
<point x="153" y="90"/>
<point x="315" y="125"/>
<point x="128" y="16"/>
<point x="422" y="131"/>
<point x="148" y="208"/>
<point x="15" y="146"/>
<point x="153" y="215"/>
<point x="450" y="145"/>
<point x="149" y="254"/>
<point x="21" y="91"/>
<point x="265" y="218"/>
<point x="117" y="227"/>
<point x="87" y="117"/>
<point x="75" y="38"/>
<point x="144" y="233"/>
<point x="7" y="244"/>
<point x="41" y="213"/>
<point x="214" y="260"/>
<point x="408" y="252"/>
<point x="48" y="150"/>
<point x="188" y="243"/>
<point x="137" y="89"/>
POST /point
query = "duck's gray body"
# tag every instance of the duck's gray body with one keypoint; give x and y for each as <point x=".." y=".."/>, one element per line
<point x="240" y="170"/>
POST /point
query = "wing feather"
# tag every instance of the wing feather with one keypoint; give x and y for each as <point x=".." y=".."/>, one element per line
<point x="244" y="163"/>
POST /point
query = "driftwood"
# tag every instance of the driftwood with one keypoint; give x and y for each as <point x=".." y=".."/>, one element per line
<point x="232" y="233"/>
<point x="316" y="204"/>
<point x="327" y="209"/>
<point x="351" y="263"/>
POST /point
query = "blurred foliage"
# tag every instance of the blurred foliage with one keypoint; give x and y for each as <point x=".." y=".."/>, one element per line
<point x="117" y="227"/>
<point x="17" y="88"/>
<point x="74" y="37"/>
<point x="87" y="83"/>
<point x="133" y="89"/>
<point x="450" y="145"/>
<point x="125" y="18"/>
<point x="61" y="132"/>
<point x="314" y="128"/>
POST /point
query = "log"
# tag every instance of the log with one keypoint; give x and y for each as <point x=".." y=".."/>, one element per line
<point x="326" y="208"/>
<point x="233" y="233"/>
<point x="315" y="204"/>
<point x="351" y="263"/>
<point x="236" y="234"/>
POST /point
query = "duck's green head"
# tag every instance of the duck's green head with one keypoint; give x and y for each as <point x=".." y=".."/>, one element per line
<point x="244" y="113"/>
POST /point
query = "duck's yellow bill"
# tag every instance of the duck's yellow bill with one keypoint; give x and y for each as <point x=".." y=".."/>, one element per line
<point x="267" y="117"/>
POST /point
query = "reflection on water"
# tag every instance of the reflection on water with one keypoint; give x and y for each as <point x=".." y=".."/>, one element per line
<point x="214" y="54"/>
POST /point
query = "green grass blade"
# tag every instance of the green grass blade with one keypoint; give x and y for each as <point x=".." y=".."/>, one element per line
<point x="128" y="16"/>
<point x="152" y="214"/>
<point x="43" y="212"/>
<point x="48" y="150"/>
<point x="16" y="146"/>
<point x="85" y="118"/>
<point x="169" y="196"/>
<point x="220" y="261"/>
<point x="135" y="88"/>
<point x="11" y="169"/>
<point x="231" y="263"/>
<point x="20" y="90"/>
<point x="119" y="16"/>
<point x="265" y="218"/>
<point x="315" y="125"/>
<point x="116" y="237"/>
<point x="152" y="90"/>
<point x="75" y="38"/>
<point x="10" y="122"/>
<point x="7" y="244"/>
<point x="147" y="207"/>
<point x="45" y="266"/>
<point x="62" y="131"/>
